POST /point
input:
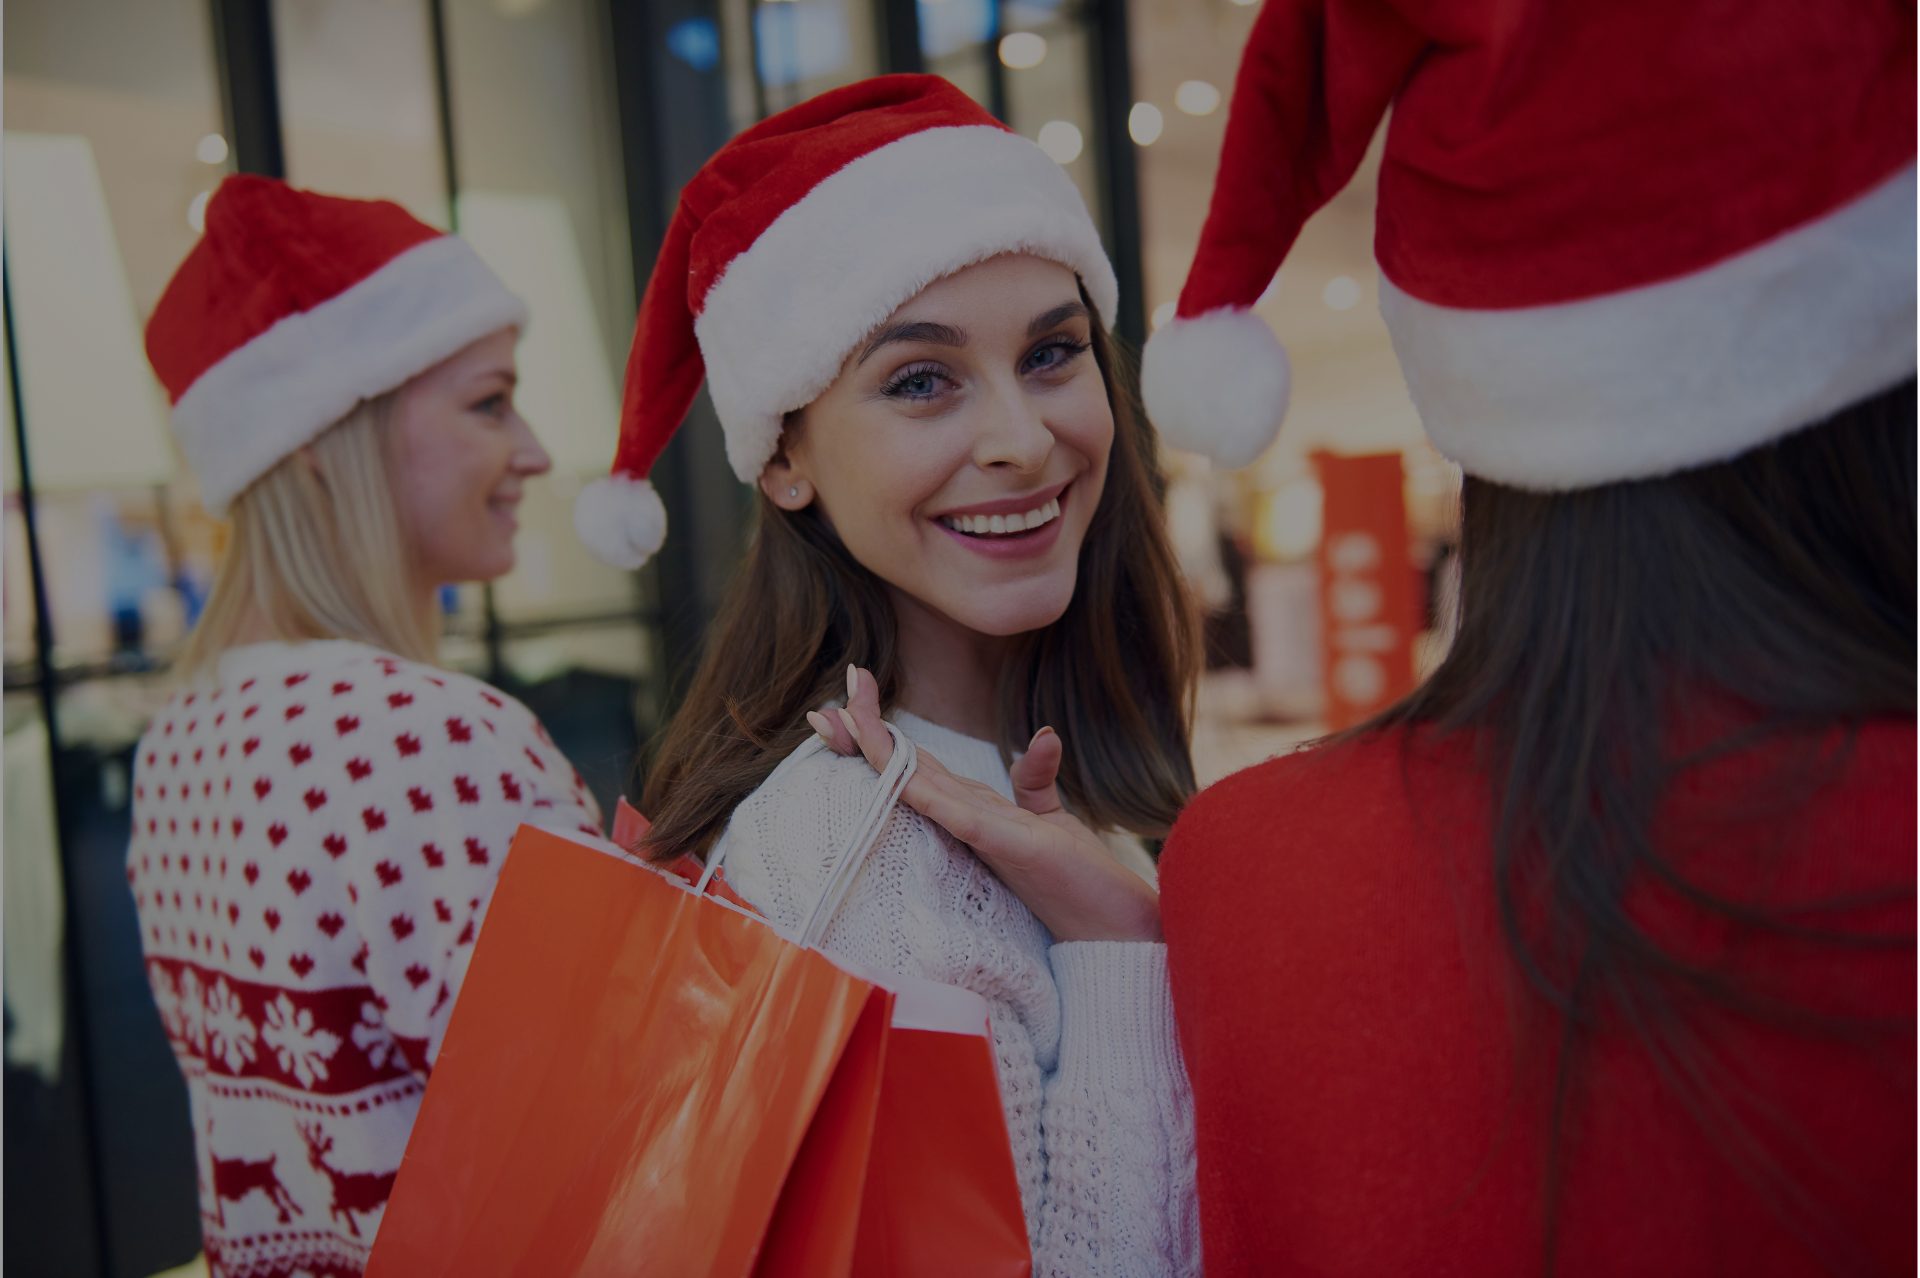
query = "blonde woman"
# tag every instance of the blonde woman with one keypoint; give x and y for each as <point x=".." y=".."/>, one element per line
<point x="320" y="812"/>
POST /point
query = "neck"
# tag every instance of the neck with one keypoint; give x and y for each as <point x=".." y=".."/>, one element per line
<point x="949" y="675"/>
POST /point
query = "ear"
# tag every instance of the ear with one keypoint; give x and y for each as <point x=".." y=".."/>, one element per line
<point x="785" y="485"/>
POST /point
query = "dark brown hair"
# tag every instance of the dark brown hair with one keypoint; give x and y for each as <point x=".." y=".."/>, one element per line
<point x="1114" y="675"/>
<point x="1594" y="624"/>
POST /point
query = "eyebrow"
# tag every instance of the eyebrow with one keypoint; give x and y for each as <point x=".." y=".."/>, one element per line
<point x="507" y="375"/>
<point x="916" y="331"/>
<point x="1058" y="315"/>
<point x="947" y="335"/>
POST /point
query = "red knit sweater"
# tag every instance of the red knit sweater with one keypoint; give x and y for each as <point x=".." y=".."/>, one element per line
<point x="1371" y="1083"/>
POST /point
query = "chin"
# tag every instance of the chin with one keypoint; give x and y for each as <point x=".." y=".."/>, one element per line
<point x="1013" y="611"/>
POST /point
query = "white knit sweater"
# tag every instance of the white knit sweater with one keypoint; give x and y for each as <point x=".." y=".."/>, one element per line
<point x="1098" y="1107"/>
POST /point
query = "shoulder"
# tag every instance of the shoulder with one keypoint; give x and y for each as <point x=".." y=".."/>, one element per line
<point x="1331" y="812"/>
<point x="783" y="839"/>
<point x="1323" y="778"/>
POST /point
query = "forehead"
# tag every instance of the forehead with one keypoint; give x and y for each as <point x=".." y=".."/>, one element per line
<point x="1010" y="288"/>
<point x="491" y="354"/>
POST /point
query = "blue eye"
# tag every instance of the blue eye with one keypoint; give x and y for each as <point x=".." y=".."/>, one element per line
<point x="1055" y="355"/>
<point x="915" y="382"/>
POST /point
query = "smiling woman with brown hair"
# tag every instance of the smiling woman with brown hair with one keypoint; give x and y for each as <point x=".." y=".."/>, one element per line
<point x="901" y="308"/>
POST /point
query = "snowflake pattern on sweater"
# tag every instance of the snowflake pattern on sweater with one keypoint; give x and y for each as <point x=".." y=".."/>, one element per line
<point x="317" y="831"/>
<point x="1099" y="1111"/>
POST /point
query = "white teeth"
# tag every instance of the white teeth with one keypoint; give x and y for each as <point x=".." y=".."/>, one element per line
<point x="1001" y="525"/>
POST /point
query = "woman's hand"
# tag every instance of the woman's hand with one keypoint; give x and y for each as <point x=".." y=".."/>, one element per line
<point x="1045" y="856"/>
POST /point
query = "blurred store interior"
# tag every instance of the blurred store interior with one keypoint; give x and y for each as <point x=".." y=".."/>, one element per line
<point x="555" y="133"/>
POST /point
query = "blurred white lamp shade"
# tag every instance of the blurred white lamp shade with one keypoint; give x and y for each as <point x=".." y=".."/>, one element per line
<point x="567" y="390"/>
<point x="95" y="416"/>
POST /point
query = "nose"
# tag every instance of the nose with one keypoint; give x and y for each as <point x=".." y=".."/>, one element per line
<point x="529" y="457"/>
<point x="1015" y="435"/>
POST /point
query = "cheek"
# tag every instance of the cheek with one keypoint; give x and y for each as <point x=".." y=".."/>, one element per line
<point x="874" y="480"/>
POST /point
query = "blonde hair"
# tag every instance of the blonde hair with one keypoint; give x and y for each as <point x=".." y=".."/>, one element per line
<point x="318" y="551"/>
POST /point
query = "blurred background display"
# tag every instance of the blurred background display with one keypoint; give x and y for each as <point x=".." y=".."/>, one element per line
<point x="555" y="134"/>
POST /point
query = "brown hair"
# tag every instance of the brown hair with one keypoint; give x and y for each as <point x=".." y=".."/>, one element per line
<point x="1115" y="674"/>
<point x="1593" y="624"/>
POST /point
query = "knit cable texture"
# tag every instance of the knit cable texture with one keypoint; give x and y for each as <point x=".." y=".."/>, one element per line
<point x="1099" y="1111"/>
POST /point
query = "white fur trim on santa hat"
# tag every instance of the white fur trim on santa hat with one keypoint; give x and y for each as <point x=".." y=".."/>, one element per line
<point x="621" y="520"/>
<point x="1216" y="384"/>
<point x="280" y="390"/>
<point x="776" y="327"/>
<point x="1678" y="374"/>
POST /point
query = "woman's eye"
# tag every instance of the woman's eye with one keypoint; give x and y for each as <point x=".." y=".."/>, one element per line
<point x="914" y="383"/>
<point x="1055" y="355"/>
<point x="493" y="405"/>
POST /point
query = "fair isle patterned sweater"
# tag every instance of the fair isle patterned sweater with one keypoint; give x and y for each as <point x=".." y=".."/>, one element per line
<point x="1099" y="1112"/>
<point x="317" y="830"/>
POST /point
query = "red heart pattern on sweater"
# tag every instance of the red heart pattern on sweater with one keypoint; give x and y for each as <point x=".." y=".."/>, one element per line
<point x="402" y="927"/>
<point x="433" y="856"/>
<point x="335" y="844"/>
<point x="301" y="965"/>
<point x="299" y="752"/>
<point x="359" y="769"/>
<point x="417" y="975"/>
<point x="389" y="873"/>
<point x="299" y="880"/>
<point x="277" y="834"/>
<point x="272" y="916"/>
<point x="331" y="923"/>
<point x="315" y="799"/>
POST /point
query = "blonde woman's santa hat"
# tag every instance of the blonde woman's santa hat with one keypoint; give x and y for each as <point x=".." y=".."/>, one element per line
<point x="798" y="239"/>
<point x="1615" y="240"/>
<point x="293" y="308"/>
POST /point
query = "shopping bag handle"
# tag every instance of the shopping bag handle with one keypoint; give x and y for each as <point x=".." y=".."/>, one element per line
<point x="873" y="823"/>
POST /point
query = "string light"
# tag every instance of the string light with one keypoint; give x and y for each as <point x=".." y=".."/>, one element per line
<point x="1145" y="122"/>
<point x="1061" y="141"/>
<point x="1197" y="97"/>
<point x="1022" y="50"/>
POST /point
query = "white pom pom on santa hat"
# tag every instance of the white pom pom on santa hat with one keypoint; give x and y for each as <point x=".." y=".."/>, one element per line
<point x="621" y="520"/>
<point x="1217" y="384"/>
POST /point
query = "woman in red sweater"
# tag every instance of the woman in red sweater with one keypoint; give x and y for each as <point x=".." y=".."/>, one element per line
<point x="1595" y="955"/>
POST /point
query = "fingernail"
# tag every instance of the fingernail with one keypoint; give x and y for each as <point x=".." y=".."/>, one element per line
<point x="853" y="681"/>
<point x="848" y="720"/>
<point x="819" y="724"/>
<point x="1045" y="732"/>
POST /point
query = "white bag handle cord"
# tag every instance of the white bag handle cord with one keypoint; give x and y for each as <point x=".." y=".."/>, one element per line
<point x="873" y="823"/>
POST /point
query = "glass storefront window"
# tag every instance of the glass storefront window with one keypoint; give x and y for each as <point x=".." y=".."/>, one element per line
<point x="805" y="47"/>
<point x="357" y="109"/>
<point x="112" y="146"/>
<point x="537" y="161"/>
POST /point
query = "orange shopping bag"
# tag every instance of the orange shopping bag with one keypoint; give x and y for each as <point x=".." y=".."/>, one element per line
<point x="640" y="1078"/>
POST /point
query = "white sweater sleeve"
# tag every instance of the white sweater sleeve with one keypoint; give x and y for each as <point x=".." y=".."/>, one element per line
<point x="1097" y="1102"/>
<point x="1118" y="1099"/>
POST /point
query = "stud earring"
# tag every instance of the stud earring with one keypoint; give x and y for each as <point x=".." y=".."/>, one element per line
<point x="793" y="492"/>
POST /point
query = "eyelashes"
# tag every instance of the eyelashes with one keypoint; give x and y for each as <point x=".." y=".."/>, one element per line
<point x="921" y="382"/>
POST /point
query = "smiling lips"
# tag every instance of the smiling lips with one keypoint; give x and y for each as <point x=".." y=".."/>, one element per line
<point x="1003" y="525"/>
<point x="1012" y="528"/>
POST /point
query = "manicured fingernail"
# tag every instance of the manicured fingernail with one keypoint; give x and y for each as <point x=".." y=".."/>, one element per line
<point x="820" y="725"/>
<point x="848" y="720"/>
<point x="853" y="681"/>
<point x="1044" y="732"/>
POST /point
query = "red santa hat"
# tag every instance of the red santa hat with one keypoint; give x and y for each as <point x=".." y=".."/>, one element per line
<point x="293" y="308"/>
<point x="1616" y="240"/>
<point x="794" y="242"/>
